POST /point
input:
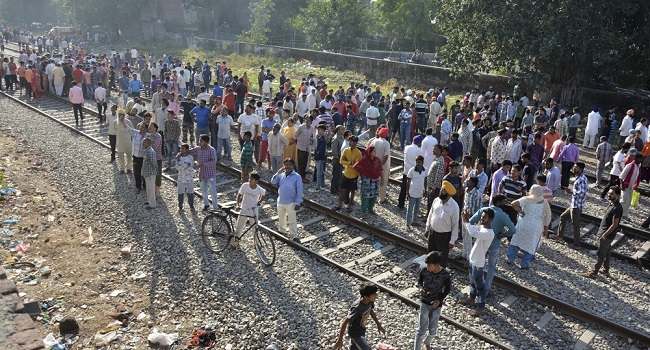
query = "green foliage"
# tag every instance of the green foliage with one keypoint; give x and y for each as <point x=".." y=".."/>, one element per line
<point x="554" y="45"/>
<point x="334" y="24"/>
<point x="25" y="12"/>
<point x="260" y="16"/>
<point x="112" y="14"/>
<point x="409" y="19"/>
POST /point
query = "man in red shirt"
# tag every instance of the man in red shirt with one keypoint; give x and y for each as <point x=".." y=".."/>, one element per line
<point x="229" y="102"/>
<point x="77" y="75"/>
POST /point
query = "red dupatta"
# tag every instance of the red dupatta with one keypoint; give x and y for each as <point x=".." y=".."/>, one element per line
<point x="369" y="166"/>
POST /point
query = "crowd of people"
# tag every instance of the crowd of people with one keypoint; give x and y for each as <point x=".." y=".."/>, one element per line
<point x="506" y="148"/>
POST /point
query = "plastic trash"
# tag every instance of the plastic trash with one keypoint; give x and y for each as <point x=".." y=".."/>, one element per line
<point x="50" y="218"/>
<point x="10" y="221"/>
<point x="105" y="339"/>
<point x="382" y="346"/>
<point x="50" y="341"/>
<point x="420" y="261"/>
<point x="23" y="248"/>
<point x="127" y="249"/>
<point x="9" y="233"/>
<point x="7" y="191"/>
<point x="90" y="236"/>
<point x="163" y="339"/>
<point x="377" y="246"/>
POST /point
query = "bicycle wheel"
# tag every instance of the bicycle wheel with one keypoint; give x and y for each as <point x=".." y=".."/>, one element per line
<point x="264" y="246"/>
<point x="216" y="232"/>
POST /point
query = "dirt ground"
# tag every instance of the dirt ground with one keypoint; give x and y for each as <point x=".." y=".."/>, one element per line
<point x="83" y="275"/>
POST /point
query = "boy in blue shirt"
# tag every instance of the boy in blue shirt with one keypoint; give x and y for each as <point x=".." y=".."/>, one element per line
<point x="319" y="157"/>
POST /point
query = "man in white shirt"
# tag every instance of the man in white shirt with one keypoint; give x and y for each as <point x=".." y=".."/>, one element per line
<point x="410" y="153"/>
<point x="626" y="125"/>
<point x="484" y="236"/>
<point x="302" y="106"/>
<point x="372" y="116"/>
<point x="311" y="99"/>
<point x="618" y="163"/>
<point x="442" y="223"/>
<point x="248" y="122"/>
<point x="427" y="148"/>
<point x="100" y="98"/>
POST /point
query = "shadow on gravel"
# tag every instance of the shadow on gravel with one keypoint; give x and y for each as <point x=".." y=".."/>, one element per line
<point x="155" y="232"/>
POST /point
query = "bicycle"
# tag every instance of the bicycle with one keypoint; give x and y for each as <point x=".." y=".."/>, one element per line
<point x="217" y="231"/>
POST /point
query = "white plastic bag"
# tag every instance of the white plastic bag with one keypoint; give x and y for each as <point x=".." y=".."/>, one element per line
<point x="163" y="339"/>
<point x="420" y="261"/>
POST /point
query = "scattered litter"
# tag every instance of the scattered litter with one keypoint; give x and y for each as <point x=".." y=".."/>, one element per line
<point x="116" y="293"/>
<point x="105" y="339"/>
<point x="90" y="235"/>
<point x="141" y="316"/>
<point x="201" y="337"/>
<point x="127" y="249"/>
<point x="382" y="346"/>
<point x="7" y="191"/>
<point x="377" y="245"/>
<point x="10" y="221"/>
<point x="50" y="341"/>
<point x="110" y="329"/>
<point x="164" y="339"/>
<point x="138" y="275"/>
<point x="37" y="198"/>
<point x="23" y="248"/>
<point x="420" y="261"/>
<point x="9" y="233"/>
<point x="50" y="218"/>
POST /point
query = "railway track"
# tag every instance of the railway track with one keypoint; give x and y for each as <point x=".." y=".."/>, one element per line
<point x="374" y="254"/>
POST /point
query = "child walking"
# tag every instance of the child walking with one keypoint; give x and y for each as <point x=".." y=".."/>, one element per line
<point x="357" y="318"/>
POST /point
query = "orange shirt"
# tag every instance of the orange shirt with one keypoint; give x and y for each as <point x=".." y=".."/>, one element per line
<point x="646" y="149"/>
<point x="549" y="139"/>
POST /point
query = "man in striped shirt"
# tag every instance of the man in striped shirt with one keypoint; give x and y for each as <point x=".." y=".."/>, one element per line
<point x="578" y="195"/>
<point x="513" y="186"/>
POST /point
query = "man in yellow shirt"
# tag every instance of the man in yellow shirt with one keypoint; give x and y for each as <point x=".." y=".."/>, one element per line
<point x="348" y="184"/>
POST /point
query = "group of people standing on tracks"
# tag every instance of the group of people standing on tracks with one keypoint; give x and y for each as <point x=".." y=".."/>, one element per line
<point x="509" y="148"/>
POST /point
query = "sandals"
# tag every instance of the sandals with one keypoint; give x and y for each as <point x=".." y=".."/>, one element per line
<point x="468" y="301"/>
<point x="478" y="312"/>
<point x="589" y="275"/>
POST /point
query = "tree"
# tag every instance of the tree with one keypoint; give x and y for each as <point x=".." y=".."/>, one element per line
<point x="111" y="15"/>
<point x="409" y="19"/>
<point x="28" y="11"/>
<point x="260" y="16"/>
<point x="555" y="45"/>
<point x="334" y="24"/>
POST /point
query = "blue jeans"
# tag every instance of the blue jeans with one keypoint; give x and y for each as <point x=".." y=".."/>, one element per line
<point x="478" y="286"/>
<point x="359" y="342"/>
<point x="428" y="322"/>
<point x="201" y="131"/>
<point x="182" y="91"/>
<point x="125" y="98"/>
<point x="88" y="90"/>
<point x="172" y="148"/>
<point x="363" y="122"/>
<point x="239" y="105"/>
<point x="320" y="174"/>
<point x="413" y="210"/>
<point x="212" y="183"/>
<point x="404" y="134"/>
<point x="512" y="254"/>
<point x="492" y="259"/>
<point x="225" y="143"/>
